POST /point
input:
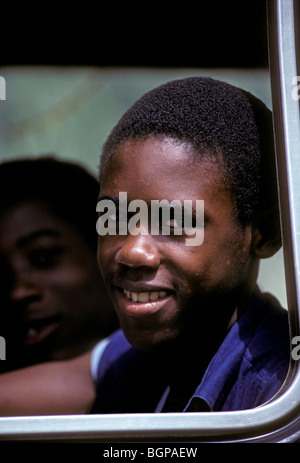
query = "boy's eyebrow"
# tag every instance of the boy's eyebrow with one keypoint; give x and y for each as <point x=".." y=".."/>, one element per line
<point x="32" y="236"/>
<point x="111" y="198"/>
<point x="116" y="201"/>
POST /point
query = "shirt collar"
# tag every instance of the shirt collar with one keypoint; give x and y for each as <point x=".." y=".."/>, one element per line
<point x="224" y="366"/>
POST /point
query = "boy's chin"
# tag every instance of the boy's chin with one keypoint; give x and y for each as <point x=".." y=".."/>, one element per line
<point x="151" y="341"/>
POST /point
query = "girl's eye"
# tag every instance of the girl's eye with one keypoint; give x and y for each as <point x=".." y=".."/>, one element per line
<point x="46" y="258"/>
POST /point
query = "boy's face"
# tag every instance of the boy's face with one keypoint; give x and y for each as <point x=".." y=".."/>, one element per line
<point x="162" y="288"/>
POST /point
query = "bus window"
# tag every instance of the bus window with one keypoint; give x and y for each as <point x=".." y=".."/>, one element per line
<point x="279" y="419"/>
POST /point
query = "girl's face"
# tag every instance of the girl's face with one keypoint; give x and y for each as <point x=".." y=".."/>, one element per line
<point x="161" y="287"/>
<point x="52" y="296"/>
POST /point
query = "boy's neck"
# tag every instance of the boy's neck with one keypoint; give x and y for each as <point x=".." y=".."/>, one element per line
<point x="190" y="355"/>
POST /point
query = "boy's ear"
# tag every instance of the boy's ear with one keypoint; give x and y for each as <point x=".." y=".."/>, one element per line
<point x="266" y="234"/>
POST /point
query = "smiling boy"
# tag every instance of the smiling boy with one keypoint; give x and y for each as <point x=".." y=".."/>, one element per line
<point x="197" y="334"/>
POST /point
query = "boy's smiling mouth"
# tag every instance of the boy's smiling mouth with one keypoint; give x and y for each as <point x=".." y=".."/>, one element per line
<point x="145" y="296"/>
<point x="142" y="301"/>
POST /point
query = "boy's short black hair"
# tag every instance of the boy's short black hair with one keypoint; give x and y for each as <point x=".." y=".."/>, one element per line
<point x="213" y="117"/>
<point x="66" y="188"/>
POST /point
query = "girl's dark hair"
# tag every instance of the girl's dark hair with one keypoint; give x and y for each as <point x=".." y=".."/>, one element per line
<point x="66" y="188"/>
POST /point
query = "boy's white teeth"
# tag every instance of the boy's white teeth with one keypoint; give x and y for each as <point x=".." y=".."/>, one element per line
<point x="144" y="296"/>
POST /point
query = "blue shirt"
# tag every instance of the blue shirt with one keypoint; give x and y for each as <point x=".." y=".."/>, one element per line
<point x="247" y="370"/>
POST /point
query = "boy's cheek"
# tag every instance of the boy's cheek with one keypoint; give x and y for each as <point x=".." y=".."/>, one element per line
<point x="107" y="247"/>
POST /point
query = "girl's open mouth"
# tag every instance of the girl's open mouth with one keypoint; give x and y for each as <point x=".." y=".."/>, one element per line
<point x="40" y="329"/>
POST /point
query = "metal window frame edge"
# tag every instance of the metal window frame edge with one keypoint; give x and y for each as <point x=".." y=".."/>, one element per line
<point x="279" y="419"/>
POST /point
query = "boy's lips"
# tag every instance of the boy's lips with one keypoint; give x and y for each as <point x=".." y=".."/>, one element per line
<point x="142" y="302"/>
<point x="144" y="296"/>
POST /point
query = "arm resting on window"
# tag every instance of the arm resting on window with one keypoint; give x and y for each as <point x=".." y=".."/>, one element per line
<point x="52" y="388"/>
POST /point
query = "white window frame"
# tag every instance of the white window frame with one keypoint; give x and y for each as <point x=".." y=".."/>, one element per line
<point x="279" y="419"/>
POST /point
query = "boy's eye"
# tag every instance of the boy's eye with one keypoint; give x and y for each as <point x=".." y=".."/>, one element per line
<point x="171" y="220"/>
<point x="115" y="217"/>
<point x="190" y="224"/>
<point x="179" y="222"/>
<point x="46" y="258"/>
<point x="173" y="224"/>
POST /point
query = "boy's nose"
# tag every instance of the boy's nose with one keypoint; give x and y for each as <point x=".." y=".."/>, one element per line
<point x="138" y="251"/>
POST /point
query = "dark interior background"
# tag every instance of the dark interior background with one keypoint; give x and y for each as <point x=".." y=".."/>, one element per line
<point x="183" y="34"/>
